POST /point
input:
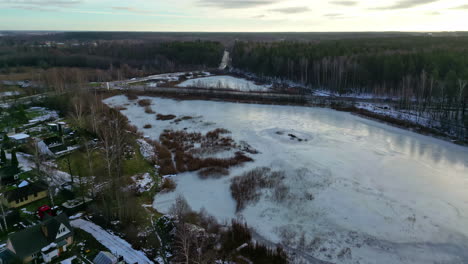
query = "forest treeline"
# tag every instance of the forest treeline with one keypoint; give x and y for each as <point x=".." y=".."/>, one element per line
<point x="146" y="56"/>
<point x="428" y="75"/>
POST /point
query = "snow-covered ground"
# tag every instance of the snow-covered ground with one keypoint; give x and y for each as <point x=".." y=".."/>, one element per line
<point x="224" y="82"/>
<point x="9" y="94"/>
<point x="115" y="244"/>
<point x="359" y="190"/>
<point x="143" y="183"/>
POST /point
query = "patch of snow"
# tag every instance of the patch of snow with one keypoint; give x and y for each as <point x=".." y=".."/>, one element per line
<point x="146" y="149"/>
<point x="44" y="149"/>
<point x="8" y="94"/>
<point x="224" y="82"/>
<point x="143" y="182"/>
<point x="112" y="242"/>
<point x="75" y="216"/>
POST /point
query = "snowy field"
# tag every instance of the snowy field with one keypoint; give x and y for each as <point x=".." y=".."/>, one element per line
<point x="225" y="82"/>
<point x="360" y="191"/>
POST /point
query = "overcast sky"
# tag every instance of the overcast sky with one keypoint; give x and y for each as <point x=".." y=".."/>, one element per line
<point x="235" y="15"/>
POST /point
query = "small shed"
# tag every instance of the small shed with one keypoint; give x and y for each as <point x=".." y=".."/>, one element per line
<point x="19" y="138"/>
<point x="105" y="257"/>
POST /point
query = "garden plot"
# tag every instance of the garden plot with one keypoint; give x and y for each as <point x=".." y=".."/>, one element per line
<point x="358" y="190"/>
<point x="225" y="82"/>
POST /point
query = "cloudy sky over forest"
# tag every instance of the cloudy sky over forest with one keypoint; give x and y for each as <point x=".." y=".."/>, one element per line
<point x="235" y="15"/>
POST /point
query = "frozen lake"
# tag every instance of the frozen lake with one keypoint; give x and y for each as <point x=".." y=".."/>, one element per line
<point x="380" y="194"/>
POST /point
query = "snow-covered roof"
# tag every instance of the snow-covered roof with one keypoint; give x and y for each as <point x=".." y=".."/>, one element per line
<point x="19" y="136"/>
<point x="23" y="184"/>
<point x="105" y="257"/>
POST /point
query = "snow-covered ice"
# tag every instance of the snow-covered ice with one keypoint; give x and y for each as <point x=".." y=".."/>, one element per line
<point x="112" y="242"/>
<point x="360" y="190"/>
<point x="224" y="82"/>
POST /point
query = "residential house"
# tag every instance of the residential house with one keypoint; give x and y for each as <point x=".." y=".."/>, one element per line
<point x="25" y="194"/>
<point x="46" y="240"/>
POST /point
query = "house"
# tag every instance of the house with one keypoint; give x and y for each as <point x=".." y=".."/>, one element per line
<point x="46" y="240"/>
<point x="20" y="138"/>
<point x="25" y="194"/>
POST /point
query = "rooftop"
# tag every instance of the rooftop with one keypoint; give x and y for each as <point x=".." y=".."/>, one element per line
<point x="19" y="136"/>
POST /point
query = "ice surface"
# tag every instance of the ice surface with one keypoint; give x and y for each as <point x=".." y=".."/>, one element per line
<point x="385" y="193"/>
<point x="224" y="82"/>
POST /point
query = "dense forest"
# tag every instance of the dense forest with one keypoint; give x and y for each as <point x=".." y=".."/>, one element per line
<point x="149" y="56"/>
<point x="428" y="75"/>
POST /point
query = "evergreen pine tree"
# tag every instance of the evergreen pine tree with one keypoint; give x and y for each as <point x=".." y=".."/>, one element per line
<point x="3" y="159"/>
<point x="14" y="159"/>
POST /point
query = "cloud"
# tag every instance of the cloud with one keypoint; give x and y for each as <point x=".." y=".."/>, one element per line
<point x="40" y="5"/>
<point x="291" y="10"/>
<point x="336" y="16"/>
<point x="344" y="3"/>
<point x="403" y="4"/>
<point x="130" y="9"/>
<point x="460" y="7"/>
<point x="235" y="3"/>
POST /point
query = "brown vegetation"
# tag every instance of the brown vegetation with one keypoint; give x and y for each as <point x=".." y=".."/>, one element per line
<point x="199" y="238"/>
<point x="144" y="102"/>
<point x="168" y="185"/>
<point x="246" y="187"/>
<point x="213" y="172"/>
<point x="165" y="117"/>
<point x="131" y="96"/>
<point x="181" y="143"/>
<point x="147" y="126"/>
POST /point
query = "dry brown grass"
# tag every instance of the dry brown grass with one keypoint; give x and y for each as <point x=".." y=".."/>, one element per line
<point x="246" y="187"/>
<point x="164" y="160"/>
<point x="147" y="126"/>
<point x="181" y="144"/>
<point x="168" y="185"/>
<point x="165" y="117"/>
<point x="144" y="102"/>
<point x="131" y="96"/>
<point x="213" y="172"/>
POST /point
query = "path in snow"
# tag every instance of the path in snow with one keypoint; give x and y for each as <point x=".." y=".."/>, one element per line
<point x="115" y="244"/>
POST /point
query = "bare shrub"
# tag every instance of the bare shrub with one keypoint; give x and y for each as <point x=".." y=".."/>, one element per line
<point x="144" y="102"/>
<point x="168" y="185"/>
<point x="213" y="172"/>
<point x="148" y="126"/>
<point x="149" y="110"/>
<point x="217" y="132"/>
<point x="165" y="117"/>
<point x="131" y="96"/>
<point x="246" y="187"/>
<point x="164" y="160"/>
<point x="180" y="119"/>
